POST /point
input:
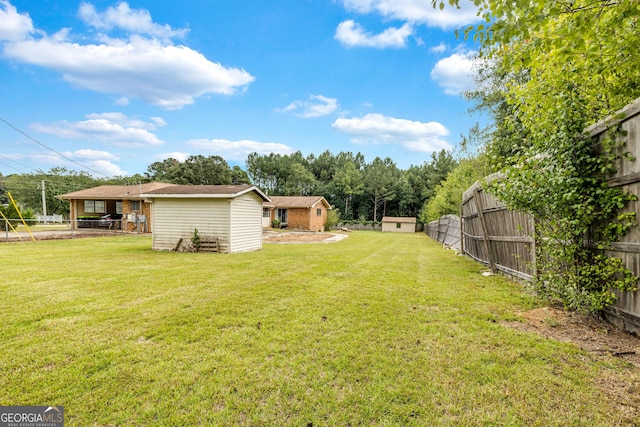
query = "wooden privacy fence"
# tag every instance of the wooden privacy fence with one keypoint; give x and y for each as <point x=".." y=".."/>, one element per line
<point x="502" y="239"/>
<point x="446" y="230"/>
<point x="625" y="312"/>
<point x="493" y="235"/>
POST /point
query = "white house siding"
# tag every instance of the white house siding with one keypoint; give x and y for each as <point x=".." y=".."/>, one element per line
<point x="177" y="218"/>
<point x="266" y="220"/>
<point x="404" y="227"/>
<point x="246" y="223"/>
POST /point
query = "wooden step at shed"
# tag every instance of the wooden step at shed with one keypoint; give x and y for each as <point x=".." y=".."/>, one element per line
<point x="209" y="244"/>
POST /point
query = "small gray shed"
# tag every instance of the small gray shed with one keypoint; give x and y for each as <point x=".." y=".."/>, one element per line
<point x="232" y="214"/>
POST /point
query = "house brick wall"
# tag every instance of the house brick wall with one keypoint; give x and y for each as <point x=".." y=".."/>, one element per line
<point x="318" y="222"/>
<point x="145" y="210"/>
<point x="305" y="218"/>
<point x="298" y="218"/>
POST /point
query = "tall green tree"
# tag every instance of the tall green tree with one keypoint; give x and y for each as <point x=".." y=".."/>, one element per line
<point x="349" y="181"/>
<point x="419" y="182"/>
<point x="266" y="172"/>
<point x="3" y="191"/>
<point x="166" y="170"/>
<point x="281" y="175"/>
<point x="323" y="167"/>
<point x="381" y="178"/>
<point x="27" y="189"/>
<point x="298" y="180"/>
<point x="436" y="171"/>
<point x="201" y="170"/>
<point x="239" y="176"/>
<point x="559" y="46"/>
<point x="448" y="194"/>
<point x="195" y="170"/>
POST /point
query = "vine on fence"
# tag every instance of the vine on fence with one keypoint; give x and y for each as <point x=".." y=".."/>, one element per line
<point x="562" y="182"/>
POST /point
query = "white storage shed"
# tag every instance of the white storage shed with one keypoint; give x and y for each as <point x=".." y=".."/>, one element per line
<point x="230" y="214"/>
<point x="403" y="224"/>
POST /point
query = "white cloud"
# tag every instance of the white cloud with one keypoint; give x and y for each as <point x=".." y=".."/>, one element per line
<point x="178" y="155"/>
<point x="455" y="73"/>
<point x="137" y="21"/>
<point x="238" y="150"/>
<point x="123" y="120"/>
<point x="13" y="25"/>
<point x="98" y="161"/>
<point x="417" y="11"/>
<point x="87" y="154"/>
<point x="108" y="168"/>
<point x="151" y="68"/>
<point x="351" y="34"/>
<point x="380" y="129"/>
<point x="441" y="48"/>
<point x="107" y="128"/>
<point x="317" y="106"/>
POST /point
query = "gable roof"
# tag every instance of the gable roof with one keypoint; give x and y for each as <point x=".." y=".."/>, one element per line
<point x="297" y="201"/>
<point x="203" y="191"/>
<point x="403" y="219"/>
<point x="114" y="192"/>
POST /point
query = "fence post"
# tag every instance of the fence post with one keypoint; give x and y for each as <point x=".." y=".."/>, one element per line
<point x="534" y="247"/>
<point x="446" y="231"/>
<point x="461" y="231"/>
<point x="485" y="234"/>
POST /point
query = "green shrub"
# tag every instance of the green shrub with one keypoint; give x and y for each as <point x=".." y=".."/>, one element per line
<point x="195" y="240"/>
<point x="333" y="217"/>
<point x="10" y="212"/>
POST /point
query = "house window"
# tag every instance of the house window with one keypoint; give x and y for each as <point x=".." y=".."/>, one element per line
<point x="135" y="205"/>
<point x="319" y="212"/>
<point x="119" y="207"/>
<point x="398" y="225"/>
<point x="94" y="206"/>
<point x="281" y="214"/>
<point x="266" y="213"/>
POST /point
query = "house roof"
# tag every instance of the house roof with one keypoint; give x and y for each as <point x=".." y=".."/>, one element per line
<point x="203" y="191"/>
<point x="114" y="192"/>
<point x="404" y="219"/>
<point x="297" y="202"/>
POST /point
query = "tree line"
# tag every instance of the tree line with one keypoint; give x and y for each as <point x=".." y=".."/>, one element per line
<point x="358" y="190"/>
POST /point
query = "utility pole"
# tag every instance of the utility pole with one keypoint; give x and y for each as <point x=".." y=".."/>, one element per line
<point x="44" y="204"/>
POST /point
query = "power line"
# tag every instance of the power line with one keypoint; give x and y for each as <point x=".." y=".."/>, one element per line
<point x="9" y="166"/>
<point x="33" y="183"/>
<point x="50" y="149"/>
<point x="16" y="162"/>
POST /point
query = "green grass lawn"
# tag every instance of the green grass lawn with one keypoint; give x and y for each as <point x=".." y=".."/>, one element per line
<point x="375" y="330"/>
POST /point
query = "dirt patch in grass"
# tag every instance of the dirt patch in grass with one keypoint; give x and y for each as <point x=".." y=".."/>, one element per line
<point x="590" y="334"/>
<point x="602" y="341"/>
<point x="300" y="237"/>
<point x="59" y="234"/>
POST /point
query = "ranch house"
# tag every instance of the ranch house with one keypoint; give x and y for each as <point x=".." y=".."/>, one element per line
<point x="297" y="212"/>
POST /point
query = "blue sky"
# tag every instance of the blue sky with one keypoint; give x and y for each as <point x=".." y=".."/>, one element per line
<point x="116" y="86"/>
